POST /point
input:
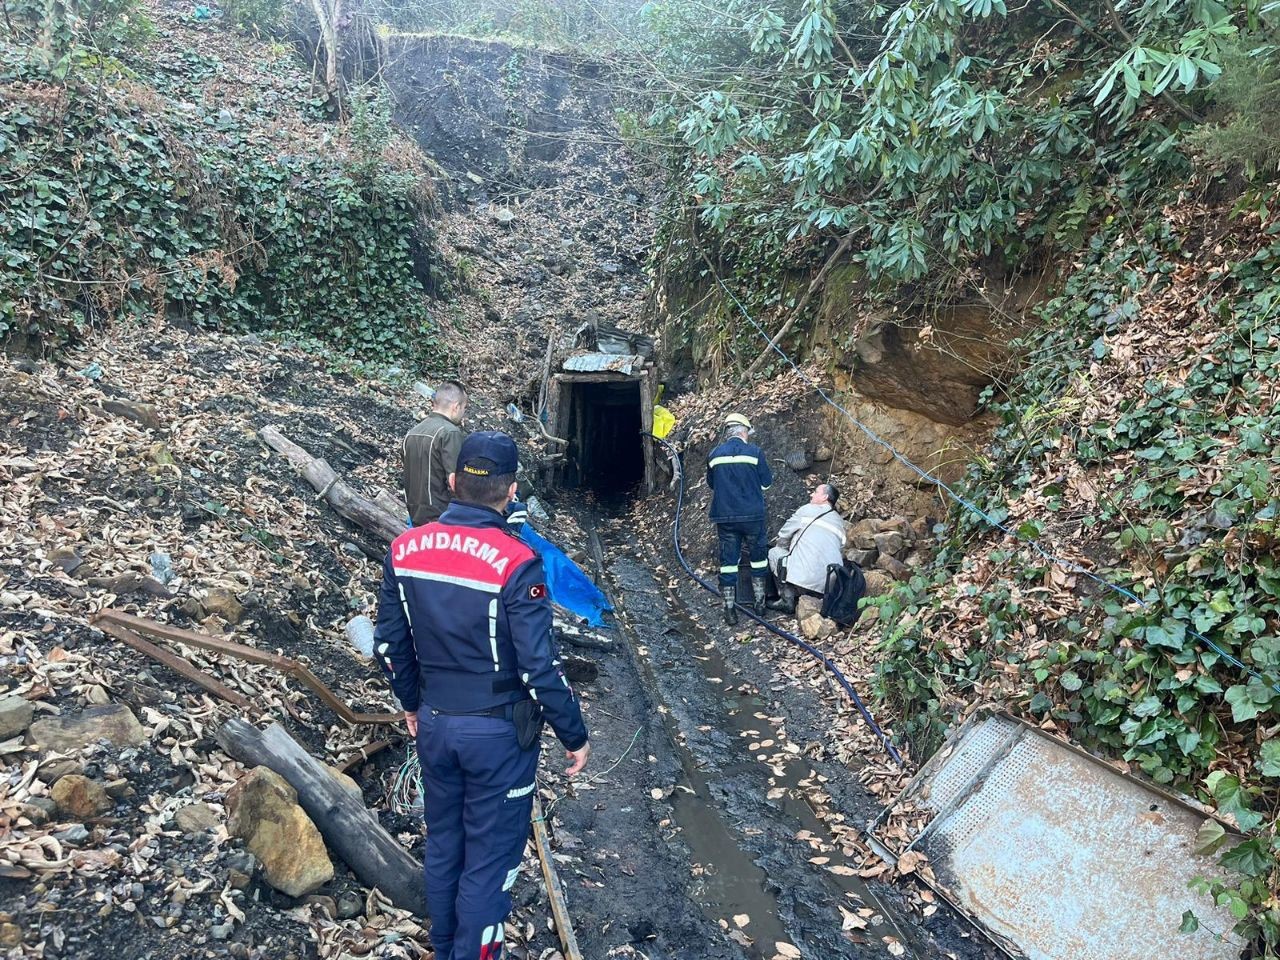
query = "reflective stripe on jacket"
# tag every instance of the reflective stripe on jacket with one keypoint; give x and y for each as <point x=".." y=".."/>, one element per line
<point x="464" y="622"/>
<point x="738" y="474"/>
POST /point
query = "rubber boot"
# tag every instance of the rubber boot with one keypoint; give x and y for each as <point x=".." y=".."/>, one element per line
<point x="758" y="592"/>
<point x="786" y="602"/>
<point x="730" y="595"/>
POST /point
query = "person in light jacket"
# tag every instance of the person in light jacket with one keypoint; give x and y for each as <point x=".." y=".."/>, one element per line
<point x="808" y="542"/>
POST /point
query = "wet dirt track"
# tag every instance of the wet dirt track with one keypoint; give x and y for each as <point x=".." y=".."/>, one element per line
<point x="700" y="842"/>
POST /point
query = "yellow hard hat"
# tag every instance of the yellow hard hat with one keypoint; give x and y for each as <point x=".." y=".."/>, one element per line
<point x="737" y="420"/>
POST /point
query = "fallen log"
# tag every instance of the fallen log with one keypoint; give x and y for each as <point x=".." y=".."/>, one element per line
<point x="336" y="492"/>
<point x="346" y="824"/>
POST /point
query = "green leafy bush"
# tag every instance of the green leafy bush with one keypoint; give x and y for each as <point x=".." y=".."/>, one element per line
<point x="121" y="204"/>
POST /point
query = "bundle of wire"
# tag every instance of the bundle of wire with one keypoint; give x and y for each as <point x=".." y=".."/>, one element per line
<point x="405" y="793"/>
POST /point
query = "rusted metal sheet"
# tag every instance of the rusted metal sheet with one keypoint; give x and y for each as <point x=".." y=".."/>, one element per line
<point x="1060" y="856"/>
<point x="626" y="363"/>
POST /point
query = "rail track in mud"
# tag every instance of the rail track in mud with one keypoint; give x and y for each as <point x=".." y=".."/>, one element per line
<point x="695" y="835"/>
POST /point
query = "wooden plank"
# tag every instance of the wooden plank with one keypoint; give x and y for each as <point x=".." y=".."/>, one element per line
<point x="178" y="665"/>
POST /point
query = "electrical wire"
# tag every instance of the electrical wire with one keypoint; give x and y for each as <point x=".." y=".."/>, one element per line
<point x="973" y="508"/>
<point x="785" y="634"/>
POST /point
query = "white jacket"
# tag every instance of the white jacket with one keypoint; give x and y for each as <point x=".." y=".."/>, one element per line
<point x="815" y="538"/>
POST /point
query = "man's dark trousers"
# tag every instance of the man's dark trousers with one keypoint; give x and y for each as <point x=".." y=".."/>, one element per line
<point x="479" y="797"/>
<point x="732" y="536"/>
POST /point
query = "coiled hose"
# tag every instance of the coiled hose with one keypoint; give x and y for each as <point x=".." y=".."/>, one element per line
<point x="785" y="634"/>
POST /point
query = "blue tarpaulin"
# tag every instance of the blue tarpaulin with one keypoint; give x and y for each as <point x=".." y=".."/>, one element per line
<point x="568" y="585"/>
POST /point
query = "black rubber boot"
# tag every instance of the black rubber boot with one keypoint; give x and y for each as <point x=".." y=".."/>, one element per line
<point x="786" y="603"/>
<point x="757" y="592"/>
<point x="730" y="595"/>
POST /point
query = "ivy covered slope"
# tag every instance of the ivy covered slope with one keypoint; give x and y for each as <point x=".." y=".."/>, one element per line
<point x="156" y="166"/>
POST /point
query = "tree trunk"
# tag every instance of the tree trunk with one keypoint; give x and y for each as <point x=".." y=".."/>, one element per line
<point x="337" y="492"/>
<point x="348" y="827"/>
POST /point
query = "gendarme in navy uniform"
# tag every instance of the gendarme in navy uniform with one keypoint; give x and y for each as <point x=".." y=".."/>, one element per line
<point x="738" y="474"/>
<point x="464" y="635"/>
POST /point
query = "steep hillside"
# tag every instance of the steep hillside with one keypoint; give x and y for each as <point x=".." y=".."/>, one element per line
<point x="174" y="170"/>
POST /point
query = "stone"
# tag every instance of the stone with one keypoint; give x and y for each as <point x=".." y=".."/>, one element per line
<point x="143" y="413"/>
<point x="97" y="695"/>
<point x="80" y="797"/>
<point x="10" y="935"/>
<point x="114" y="723"/>
<point x="817" y="627"/>
<point x="503" y="215"/>
<point x="66" y="559"/>
<point x="893" y="566"/>
<point x="863" y="558"/>
<point x="224" y="603"/>
<point x="119" y="788"/>
<point x="890" y="542"/>
<point x="195" y="818"/>
<point x="808" y="606"/>
<point x="220" y="931"/>
<point x="348" y="784"/>
<point x="350" y="906"/>
<point x="921" y="528"/>
<point x="36" y="813"/>
<point x="51" y="771"/>
<point x="878" y="583"/>
<point x="263" y="810"/>
<point x="16" y="715"/>
<point x="862" y="534"/>
<point x="823" y="453"/>
<point x="76" y="833"/>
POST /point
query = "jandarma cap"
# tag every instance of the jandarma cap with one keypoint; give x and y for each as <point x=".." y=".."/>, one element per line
<point x="488" y="452"/>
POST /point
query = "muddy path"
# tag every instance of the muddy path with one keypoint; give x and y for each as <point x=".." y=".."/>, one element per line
<point x="704" y="832"/>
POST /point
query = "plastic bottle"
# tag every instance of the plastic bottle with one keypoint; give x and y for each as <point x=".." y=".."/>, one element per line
<point x="360" y="634"/>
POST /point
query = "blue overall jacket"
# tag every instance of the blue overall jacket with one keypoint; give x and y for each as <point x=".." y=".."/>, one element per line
<point x="464" y="622"/>
<point x="738" y="474"/>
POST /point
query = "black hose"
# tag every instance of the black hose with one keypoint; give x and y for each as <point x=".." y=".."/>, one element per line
<point x="786" y="635"/>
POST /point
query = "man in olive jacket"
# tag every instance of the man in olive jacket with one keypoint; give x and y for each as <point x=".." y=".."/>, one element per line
<point x="431" y="454"/>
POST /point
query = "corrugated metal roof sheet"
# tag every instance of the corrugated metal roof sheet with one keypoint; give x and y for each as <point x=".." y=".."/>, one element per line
<point x="604" y="363"/>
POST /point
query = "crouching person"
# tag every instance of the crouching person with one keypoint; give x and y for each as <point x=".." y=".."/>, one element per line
<point x="464" y="635"/>
<point x="808" y="542"/>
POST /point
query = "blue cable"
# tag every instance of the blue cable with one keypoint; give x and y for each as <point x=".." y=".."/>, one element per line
<point x="975" y="509"/>
<point x="786" y="635"/>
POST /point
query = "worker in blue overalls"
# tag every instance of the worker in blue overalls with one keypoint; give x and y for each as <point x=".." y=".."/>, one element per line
<point x="738" y="474"/>
<point x="464" y="635"/>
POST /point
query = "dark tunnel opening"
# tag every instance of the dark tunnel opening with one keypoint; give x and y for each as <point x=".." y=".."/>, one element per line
<point x="606" y="451"/>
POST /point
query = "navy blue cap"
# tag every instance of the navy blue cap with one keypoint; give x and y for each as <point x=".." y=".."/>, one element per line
<point x="493" y="446"/>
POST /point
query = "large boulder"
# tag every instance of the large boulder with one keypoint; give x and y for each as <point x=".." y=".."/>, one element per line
<point x="878" y="583"/>
<point x="817" y="627"/>
<point x="114" y="723"/>
<point x="862" y="535"/>
<point x="263" y="810"/>
<point x="808" y="606"/>
<point x="79" y="797"/>
<point x="891" y="542"/>
<point x="16" y="715"/>
<point x="893" y="566"/>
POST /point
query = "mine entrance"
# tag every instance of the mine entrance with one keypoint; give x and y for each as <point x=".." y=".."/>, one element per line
<point x="603" y="417"/>
<point x="603" y="424"/>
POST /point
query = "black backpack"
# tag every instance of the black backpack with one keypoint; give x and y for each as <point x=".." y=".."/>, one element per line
<point x="845" y="587"/>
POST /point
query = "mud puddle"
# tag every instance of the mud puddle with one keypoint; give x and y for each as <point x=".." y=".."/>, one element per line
<point x="761" y="850"/>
